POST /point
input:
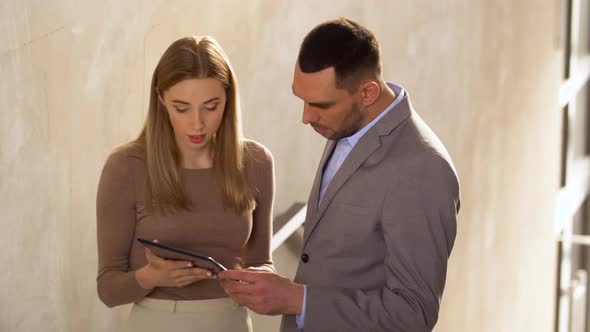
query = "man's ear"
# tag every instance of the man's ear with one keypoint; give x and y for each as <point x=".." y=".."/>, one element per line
<point x="369" y="92"/>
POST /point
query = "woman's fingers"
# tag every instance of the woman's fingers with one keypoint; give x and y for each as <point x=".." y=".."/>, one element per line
<point x="173" y="273"/>
<point x="177" y="265"/>
<point x="201" y="272"/>
<point x="165" y="263"/>
<point x="151" y="257"/>
<point x="186" y="283"/>
<point x="187" y="280"/>
<point x="198" y="272"/>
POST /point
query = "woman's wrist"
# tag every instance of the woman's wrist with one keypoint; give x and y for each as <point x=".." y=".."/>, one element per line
<point x="142" y="276"/>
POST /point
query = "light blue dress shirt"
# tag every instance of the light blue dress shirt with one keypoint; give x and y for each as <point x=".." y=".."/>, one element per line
<point x="341" y="151"/>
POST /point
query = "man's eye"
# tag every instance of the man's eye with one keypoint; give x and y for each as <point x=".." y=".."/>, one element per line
<point x="321" y="106"/>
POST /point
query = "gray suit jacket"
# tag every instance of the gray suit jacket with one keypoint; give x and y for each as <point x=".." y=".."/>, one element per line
<point x="376" y="248"/>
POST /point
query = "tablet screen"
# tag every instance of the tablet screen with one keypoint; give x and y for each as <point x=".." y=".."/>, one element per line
<point x="169" y="252"/>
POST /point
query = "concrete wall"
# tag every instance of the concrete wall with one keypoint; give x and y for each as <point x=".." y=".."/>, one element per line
<point x="75" y="80"/>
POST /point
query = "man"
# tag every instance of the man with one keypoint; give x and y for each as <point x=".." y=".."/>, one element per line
<point x="381" y="218"/>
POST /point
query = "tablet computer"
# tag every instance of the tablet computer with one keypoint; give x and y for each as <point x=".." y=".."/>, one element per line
<point x="169" y="252"/>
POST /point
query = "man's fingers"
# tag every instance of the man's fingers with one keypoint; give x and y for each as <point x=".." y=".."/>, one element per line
<point x="223" y="283"/>
<point x="253" y="302"/>
<point x="263" y="268"/>
<point x="242" y="275"/>
<point x="242" y="300"/>
<point x="237" y="287"/>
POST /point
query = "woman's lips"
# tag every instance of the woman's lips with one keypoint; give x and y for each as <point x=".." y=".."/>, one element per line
<point x="197" y="139"/>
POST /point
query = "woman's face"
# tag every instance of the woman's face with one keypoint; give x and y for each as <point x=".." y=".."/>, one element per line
<point x="195" y="108"/>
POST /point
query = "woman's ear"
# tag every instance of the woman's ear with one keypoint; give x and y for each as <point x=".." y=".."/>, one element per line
<point x="160" y="97"/>
<point x="370" y="91"/>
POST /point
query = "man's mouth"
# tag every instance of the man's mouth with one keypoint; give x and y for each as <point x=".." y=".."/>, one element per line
<point x="319" y="130"/>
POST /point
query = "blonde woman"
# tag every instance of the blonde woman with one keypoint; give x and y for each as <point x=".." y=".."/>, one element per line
<point x="190" y="181"/>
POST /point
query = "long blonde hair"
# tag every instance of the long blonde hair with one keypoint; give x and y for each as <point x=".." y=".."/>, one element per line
<point x="190" y="58"/>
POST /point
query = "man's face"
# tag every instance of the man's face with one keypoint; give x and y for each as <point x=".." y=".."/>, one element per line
<point x="333" y="113"/>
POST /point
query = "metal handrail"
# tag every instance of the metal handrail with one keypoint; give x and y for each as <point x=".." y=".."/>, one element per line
<point x="580" y="239"/>
<point x="288" y="229"/>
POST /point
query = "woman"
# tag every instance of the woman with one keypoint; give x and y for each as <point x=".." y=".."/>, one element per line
<point x="188" y="181"/>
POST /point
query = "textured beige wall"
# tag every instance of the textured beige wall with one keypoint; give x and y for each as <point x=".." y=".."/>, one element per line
<point x="484" y="74"/>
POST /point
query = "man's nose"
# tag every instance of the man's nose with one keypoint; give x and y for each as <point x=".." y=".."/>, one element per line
<point x="309" y="114"/>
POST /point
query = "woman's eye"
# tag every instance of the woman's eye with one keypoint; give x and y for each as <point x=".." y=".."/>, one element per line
<point x="211" y="108"/>
<point x="181" y="110"/>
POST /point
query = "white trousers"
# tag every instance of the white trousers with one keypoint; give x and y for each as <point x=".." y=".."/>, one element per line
<point x="223" y="315"/>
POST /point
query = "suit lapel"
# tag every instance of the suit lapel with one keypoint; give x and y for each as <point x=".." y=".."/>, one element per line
<point x="312" y="204"/>
<point x="365" y="147"/>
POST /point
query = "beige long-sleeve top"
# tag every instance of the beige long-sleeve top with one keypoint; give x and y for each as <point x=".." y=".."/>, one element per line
<point x="233" y="240"/>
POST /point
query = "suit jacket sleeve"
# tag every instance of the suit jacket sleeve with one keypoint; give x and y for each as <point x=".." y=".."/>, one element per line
<point x="419" y="226"/>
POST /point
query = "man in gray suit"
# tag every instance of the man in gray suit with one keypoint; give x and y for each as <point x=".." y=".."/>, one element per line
<point x="381" y="218"/>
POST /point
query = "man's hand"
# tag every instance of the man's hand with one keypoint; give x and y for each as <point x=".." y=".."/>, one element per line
<point x="263" y="292"/>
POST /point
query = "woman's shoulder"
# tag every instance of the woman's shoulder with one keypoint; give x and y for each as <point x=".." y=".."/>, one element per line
<point x="255" y="152"/>
<point x="126" y="154"/>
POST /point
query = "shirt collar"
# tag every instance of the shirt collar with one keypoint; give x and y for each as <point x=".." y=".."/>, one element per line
<point x="352" y="140"/>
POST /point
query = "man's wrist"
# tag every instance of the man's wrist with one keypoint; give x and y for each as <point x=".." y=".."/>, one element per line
<point x="297" y="303"/>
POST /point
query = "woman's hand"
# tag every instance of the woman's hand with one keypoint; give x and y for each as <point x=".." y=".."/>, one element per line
<point x="160" y="272"/>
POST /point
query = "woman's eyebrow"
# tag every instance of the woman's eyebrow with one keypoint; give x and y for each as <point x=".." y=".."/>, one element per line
<point x="178" y="101"/>
<point x="210" y="100"/>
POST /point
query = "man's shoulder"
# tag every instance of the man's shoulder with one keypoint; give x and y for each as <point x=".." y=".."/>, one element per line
<point x="414" y="147"/>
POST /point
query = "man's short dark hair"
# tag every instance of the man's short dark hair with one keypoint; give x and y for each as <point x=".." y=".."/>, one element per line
<point x="347" y="46"/>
